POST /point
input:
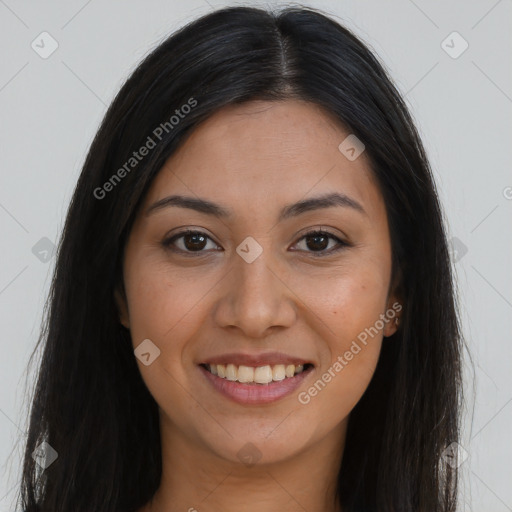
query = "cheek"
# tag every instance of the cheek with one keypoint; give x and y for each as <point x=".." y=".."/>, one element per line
<point x="350" y="304"/>
<point x="348" y="301"/>
<point x="163" y="304"/>
<point x="356" y="319"/>
<point x="351" y="358"/>
<point x="165" y="307"/>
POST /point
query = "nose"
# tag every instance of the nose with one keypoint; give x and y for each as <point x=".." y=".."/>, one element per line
<point x="255" y="297"/>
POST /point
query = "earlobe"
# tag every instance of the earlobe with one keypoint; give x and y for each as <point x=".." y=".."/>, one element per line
<point x="392" y="324"/>
<point x="394" y="309"/>
<point x="122" y="307"/>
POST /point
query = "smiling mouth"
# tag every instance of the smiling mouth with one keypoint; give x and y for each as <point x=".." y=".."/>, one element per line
<point x="256" y="375"/>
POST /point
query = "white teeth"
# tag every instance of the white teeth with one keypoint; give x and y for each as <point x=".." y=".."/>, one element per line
<point x="278" y="372"/>
<point x="231" y="372"/>
<point x="245" y="374"/>
<point x="263" y="375"/>
<point x="259" y="375"/>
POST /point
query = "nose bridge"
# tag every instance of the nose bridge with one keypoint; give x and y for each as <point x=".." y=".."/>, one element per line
<point x="255" y="279"/>
<point x="256" y="298"/>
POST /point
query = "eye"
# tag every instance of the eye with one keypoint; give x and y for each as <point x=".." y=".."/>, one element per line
<point x="192" y="241"/>
<point x="318" y="241"/>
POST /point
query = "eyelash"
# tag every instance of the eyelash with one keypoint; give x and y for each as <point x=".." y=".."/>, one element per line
<point x="317" y="254"/>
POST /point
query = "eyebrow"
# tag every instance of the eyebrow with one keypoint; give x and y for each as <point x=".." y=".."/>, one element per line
<point x="292" y="210"/>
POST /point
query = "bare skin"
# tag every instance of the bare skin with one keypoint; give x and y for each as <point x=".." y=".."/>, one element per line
<point x="254" y="159"/>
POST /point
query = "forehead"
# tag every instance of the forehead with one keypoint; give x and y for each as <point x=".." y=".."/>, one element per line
<point x="261" y="152"/>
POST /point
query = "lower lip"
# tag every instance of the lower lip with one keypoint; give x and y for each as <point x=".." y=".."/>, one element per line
<point x="256" y="394"/>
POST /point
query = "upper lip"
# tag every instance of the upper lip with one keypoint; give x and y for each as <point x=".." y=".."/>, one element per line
<point x="268" y="358"/>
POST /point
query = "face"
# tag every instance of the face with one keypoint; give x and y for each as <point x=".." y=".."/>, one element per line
<point x="259" y="285"/>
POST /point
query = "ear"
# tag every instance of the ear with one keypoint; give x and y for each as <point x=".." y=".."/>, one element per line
<point x="394" y="307"/>
<point x="393" y="314"/>
<point x="122" y="305"/>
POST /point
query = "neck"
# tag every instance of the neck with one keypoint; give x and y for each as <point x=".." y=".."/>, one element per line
<point x="196" y="480"/>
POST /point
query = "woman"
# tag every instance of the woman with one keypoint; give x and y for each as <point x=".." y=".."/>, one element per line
<point x="252" y="307"/>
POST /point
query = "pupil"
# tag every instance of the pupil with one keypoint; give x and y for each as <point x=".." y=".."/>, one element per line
<point x="316" y="244"/>
<point x="194" y="237"/>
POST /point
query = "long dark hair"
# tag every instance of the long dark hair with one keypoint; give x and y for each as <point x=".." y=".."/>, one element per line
<point x="90" y="403"/>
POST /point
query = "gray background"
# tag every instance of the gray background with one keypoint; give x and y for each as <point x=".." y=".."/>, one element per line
<point x="50" y="109"/>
